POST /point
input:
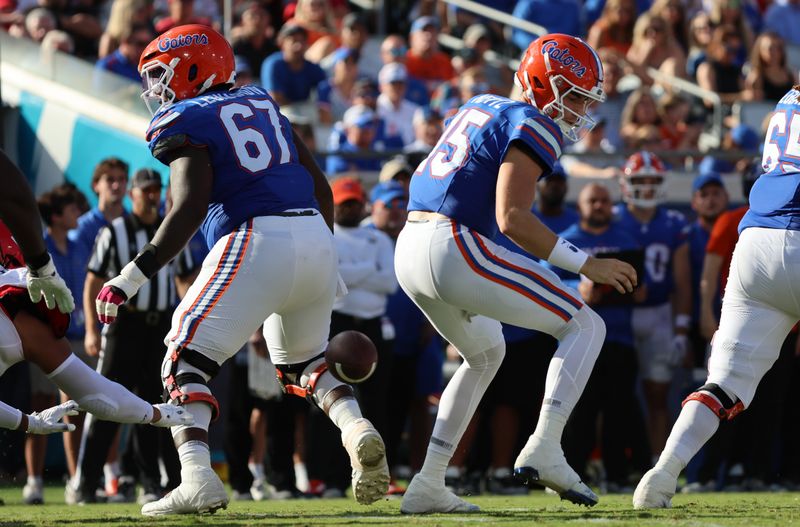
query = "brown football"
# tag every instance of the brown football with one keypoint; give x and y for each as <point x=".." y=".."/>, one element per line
<point x="351" y="357"/>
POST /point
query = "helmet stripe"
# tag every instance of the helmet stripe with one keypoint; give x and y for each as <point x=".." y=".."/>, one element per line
<point x="597" y="62"/>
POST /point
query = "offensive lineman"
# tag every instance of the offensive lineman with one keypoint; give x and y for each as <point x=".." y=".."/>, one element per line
<point x="237" y="168"/>
<point x="759" y="308"/>
<point x="480" y="176"/>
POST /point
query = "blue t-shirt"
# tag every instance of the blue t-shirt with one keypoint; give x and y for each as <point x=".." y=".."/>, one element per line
<point x="562" y="222"/>
<point x="659" y="238"/>
<point x="256" y="167"/>
<point x="117" y="63"/>
<point x="89" y="224"/>
<point x="296" y="86"/>
<point x="459" y="176"/>
<point x="775" y="197"/>
<point x="615" y="239"/>
<point x="72" y="268"/>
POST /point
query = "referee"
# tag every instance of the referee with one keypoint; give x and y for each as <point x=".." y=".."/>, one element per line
<point x="133" y="347"/>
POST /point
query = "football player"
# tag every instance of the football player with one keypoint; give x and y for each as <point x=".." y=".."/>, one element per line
<point x="759" y="307"/>
<point x="266" y="212"/>
<point x="663" y="235"/>
<point x="34" y="307"/>
<point x="481" y="177"/>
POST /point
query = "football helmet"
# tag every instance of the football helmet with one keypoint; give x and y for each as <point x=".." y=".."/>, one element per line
<point x="644" y="180"/>
<point x="183" y="63"/>
<point x="555" y="66"/>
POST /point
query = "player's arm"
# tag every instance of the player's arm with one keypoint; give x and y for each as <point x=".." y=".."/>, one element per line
<point x="191" y="181"/>
<point x="322" y="189"/>
<point x="515" y="191"/>
<point x="709" y="285"/>
<point x="91" y="287"/>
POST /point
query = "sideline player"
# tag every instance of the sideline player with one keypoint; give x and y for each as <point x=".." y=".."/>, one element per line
<point x="759" y="308"/>
<point x="267" y="214"/>
<point x="34" y="301"/>
<point x="480" y="176"/>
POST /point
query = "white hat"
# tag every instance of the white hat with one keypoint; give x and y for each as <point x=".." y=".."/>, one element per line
<point x="392" y="72"/>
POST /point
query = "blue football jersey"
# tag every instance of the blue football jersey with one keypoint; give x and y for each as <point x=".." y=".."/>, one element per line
<point x="459" y="176"/>
<point x="256" y="167"/>
<point x="659" y="238"/>
<point x="775" y="197"/>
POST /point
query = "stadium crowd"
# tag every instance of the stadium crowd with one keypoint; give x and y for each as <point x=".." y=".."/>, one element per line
<point x="351" y="92"/>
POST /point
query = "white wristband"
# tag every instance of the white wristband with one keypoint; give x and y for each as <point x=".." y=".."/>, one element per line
<point x="567" y="256"/>
<point x="683" y="321"/>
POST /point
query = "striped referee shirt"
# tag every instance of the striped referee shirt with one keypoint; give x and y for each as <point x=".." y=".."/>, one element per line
<point x="117" y="244"/>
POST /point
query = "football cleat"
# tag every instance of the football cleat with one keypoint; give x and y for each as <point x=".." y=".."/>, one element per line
<point x="543" y="462"/>
<point x="172" y="415"/>
<point x="200" y="492"/>
<point x="33" y="493"/>
<point x="370" y="477"/>
<point x="424" y="496"/>
<point x="655" y="490"/>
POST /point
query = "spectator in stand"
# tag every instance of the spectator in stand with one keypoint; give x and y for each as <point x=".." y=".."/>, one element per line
<point x="253" y="38"/>
<point x="678" y="132"/>
<point x="611" y="110"/>
<point x="769" y="77"/>
<point x="316" y="17"/>
<point x="209" y="9"/>
<point x="394" y="50"/>
<point x="593" y="9"/>
<point x="640" y="110"/>
<point x="732" y="12"/>
<point x="181" y="12"/>
<point x="57" y="40"/>
<point x="654" y="46"/>
<point x="428" y="127"/>
<point x="587" y="165"/>
<point x="124" y="61"/>
<point x="614" y="28"/>
<point x="784" y="19"/>
<point x="109" y="182"/>
<point x="80" y="20"/>
<point x="360" y="128"/>
<point x="449" y="96"/>
<point x="288" y="76"/>
<point x="124" y="15"/>
<point x="398" y="170"/>
<point x="699" y="39"/>
<point x="337" y="90"/>
<point x="722" y="72"/>
<point x="742" y="140"/>
<point x="424" y="60"/>
<point x="244" y="75"/>
<point x="396" y="112"/>
<point x="355" y="36"/>
<point x="613" y="379"/>
<point x="477" y="37"/>
<point x="557" y="16"/>
<point x="60" y="211"/>
<point x="38" y="22"/>
<point x="673" y="12"/>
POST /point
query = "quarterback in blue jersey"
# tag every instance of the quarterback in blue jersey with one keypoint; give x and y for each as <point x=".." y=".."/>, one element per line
<point x="265" y="207"/>
<point x="663" y="236"/>
<point x="480" y="178"/>
<point x="759" y="308"/>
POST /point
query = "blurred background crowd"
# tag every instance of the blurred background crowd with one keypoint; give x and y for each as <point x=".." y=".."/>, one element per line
<point x="369" y="86"/>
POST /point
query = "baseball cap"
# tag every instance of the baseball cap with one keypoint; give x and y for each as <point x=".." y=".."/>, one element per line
<point x="424" y="21"/>
<point x="146" y="177"/>
<point x="388" y="191"/>
<point x="394" y="167"/>
<point x="359" y="115"/>
<point x="365" y="87"/>
<point x="291" y="29"/>
<point x="347" y="188"/>
<point x="707" y="178"/>
<point x="392" y="72"/>
<point x="474" y="33"/>
<point x="745" y="137"/>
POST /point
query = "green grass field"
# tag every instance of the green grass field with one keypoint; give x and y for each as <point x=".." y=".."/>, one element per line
<point x="536" y="509"/>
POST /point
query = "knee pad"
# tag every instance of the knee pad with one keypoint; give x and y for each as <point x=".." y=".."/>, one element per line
<point x="717" y="401"/>
<point x="301" y="379"/>
<point x="185" y="366"/>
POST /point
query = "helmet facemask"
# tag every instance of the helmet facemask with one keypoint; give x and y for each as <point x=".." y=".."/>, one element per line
<point x="558" y="111"/>
<point x="156" y="77"/>
<point x="644" y="190"/>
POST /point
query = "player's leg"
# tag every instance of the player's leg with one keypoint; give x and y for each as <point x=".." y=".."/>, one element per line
<point x="759" y="309"/>
<point x="93" y="392"/>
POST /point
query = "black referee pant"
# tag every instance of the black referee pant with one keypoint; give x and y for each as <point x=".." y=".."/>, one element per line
<point x="327" y="460"/>
<point x="132" y="355"/>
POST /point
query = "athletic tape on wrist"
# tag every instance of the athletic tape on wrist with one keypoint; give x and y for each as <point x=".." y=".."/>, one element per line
<point x="567" y="256"/>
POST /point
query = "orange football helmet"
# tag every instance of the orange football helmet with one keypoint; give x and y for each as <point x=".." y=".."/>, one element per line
<point x="555" y="66"/>
<point x="183" y="63"/>
<point x="644" y="180"/>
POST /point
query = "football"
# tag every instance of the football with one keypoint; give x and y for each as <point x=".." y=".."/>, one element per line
<point x="351" y="357"/>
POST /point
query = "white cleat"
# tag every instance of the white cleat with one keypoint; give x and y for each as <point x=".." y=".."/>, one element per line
<point x="172" y="415"/>
<point x="655" y="490"/>
<point x="543" y="462"/>
<point x="424" y="496"/>
<point x="200" y="492"/>
<point x="32" y="494"/>
<point x="368" y="458"/>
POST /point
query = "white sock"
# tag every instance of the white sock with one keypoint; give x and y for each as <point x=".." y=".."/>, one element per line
<point x="344" y="411"/>
<point x="194" y="454"/>
<point x="111" y="470"/>
<point x="435" y="465"/>
<point x="96" y="394"/>
<point x="551" y="424"/>
<point x="694" y="427"/>
<point x="35" y="481"/>
<point x="257" y="471"/>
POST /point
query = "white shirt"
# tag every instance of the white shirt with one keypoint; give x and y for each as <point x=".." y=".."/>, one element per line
<point x="366" y="264"/>
<point x="400" y="120"/>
